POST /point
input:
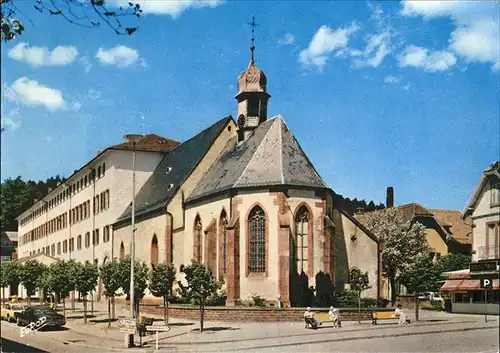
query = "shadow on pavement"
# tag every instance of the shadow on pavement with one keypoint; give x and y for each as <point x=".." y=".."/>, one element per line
<point x="216" y="329"/>
<point x="102" y="321"/>
<point x="8" y="346"/>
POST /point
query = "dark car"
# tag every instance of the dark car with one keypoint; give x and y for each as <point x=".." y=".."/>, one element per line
<point x="40" y="316"/>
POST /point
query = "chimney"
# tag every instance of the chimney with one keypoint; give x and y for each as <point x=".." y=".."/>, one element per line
<point x="390" y="197"/>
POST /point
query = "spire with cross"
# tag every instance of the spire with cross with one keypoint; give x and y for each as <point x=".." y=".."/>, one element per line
<point x="252" y="47"/>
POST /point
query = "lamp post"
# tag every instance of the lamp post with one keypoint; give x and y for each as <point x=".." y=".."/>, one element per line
<point x="132" y="138"/>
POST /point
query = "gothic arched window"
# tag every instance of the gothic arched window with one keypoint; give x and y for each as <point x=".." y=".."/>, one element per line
<point x="302" y="218"/>
<point x="122" y="252"/>
<point x="223" y="242"/>
<point x="257" y="240"/>
<point x="197" y="239"/>
<point x="154" y="250"/>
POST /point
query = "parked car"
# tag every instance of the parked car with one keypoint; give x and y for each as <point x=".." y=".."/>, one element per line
<point x="36" y="313"/>
<point x="9" y="311"/>
<point x="425" y="296"/>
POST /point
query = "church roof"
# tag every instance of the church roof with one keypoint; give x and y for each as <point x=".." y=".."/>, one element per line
<point x="270" y="157"/>
<point x="172" y="170"/>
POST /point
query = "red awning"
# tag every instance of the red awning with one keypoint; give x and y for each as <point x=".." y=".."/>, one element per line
<point x="469" y="284"/>
<point x="450" y="285"/>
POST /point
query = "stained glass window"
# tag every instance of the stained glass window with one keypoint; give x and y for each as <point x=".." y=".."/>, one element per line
<point x="257" y="237"/>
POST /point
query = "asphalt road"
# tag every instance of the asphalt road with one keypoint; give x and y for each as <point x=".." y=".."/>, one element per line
<point x="464" y="338"/>
<point x="478" y="341"/>
<point x="38" y="342"/>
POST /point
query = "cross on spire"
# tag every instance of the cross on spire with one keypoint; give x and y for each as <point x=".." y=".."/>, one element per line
<point x="252" y="47"/>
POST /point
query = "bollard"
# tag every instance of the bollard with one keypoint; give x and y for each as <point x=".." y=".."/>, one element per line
<point x="129" y="341"/>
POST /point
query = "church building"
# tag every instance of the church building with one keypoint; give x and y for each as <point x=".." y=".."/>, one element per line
<point x="243" y="198"/>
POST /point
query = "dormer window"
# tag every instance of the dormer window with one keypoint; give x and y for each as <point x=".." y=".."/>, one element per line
<point x="495" y="195"/>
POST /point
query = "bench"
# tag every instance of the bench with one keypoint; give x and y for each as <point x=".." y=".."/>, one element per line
<point x="324" y="317"/>
<point x="385" y="315"/>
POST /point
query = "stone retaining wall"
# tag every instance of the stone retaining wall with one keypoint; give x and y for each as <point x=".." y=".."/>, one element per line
<point x="243" y="314"/>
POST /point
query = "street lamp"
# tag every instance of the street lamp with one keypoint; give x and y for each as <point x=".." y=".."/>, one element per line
<point x="132" y="138"/>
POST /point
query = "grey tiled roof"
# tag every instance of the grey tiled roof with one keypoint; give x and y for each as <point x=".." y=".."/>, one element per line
<point x="271" y="156"/>
<point x="172" y="170"/>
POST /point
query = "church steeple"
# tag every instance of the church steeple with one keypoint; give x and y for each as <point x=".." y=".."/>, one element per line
<point x="252" y="96"/>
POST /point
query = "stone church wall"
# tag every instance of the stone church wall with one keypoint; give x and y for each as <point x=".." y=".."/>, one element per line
<point x="354" y="249"/>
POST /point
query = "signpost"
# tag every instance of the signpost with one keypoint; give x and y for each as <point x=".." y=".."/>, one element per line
<point x="486" y="283"/>
<point x="128" y="326"/>
<point x="157" y="328"/>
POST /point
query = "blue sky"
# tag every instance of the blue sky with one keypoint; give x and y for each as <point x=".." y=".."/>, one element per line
<point x="401" y="94"/>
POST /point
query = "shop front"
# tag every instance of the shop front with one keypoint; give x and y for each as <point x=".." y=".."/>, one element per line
<point x="468" y="296"/>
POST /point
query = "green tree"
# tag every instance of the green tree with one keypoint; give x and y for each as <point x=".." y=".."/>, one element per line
<point x="62" y="281"/>
<point x="161" y="280"/>
<point x="454" y="262"/>
<point x="86" y="277"/>
<point x="141" y="275"/>
<point x="403" y="242"/>
<point x="29" y="275"/>
<point x="45" y="283"/>
<point x="87" y="14"/>
<point x="110" y="276"/>
<point x="200" y="286"/>
<point x="359" y="282"/>
<point x="422" y="275"/>
<point x="9" y="275"/>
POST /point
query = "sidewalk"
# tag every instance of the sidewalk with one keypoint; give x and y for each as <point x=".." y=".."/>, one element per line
<point x="185" y="333"/>
<point x="111" y="337"/>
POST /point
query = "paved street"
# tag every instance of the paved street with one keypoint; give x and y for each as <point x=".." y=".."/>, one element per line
<point x="439" y="332"/>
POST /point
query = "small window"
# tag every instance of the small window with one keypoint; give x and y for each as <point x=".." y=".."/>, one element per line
<point x="87" y="239"/>
<point x="495" y="195"/>
<point x="103" y="169"/>
<point x="59" y="248"/>
<point x="65" y="246"/>
<point x="98" y="172"/>
<point x="79" y="242"/>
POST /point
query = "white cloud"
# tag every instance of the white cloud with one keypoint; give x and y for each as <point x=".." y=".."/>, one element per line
<point x="85" y="62"/>
<point x="288" y="39"/>
<point x="32" y="93"/>
<point x="10" y="121"/>
<point x="392" y="79"/>
<point x="419" y="57"/>
<point x="174" y="8"/>
<point x="324" y="42"/>
<point x="119" y="55"/>
<point x="476" y="37"/>
<point x="42" y="56"/>
<point x="406" y="87"/>
<point x="378" y="44"/>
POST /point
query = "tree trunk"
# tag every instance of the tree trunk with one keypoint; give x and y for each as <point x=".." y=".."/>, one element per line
<point x="29" y="297"/>
<point x="359" y="307"/>
<point x="92" y="304"/>
<point x="3" y="294"/>
<point x="165" y="310"/>
<point x="113" y="300"/>
<point x="416" y="305"/>
<point x="64" y="307"/>
<point x="73" y="301"/>
<point x="109" y="312"/>
<point x="392" y="281"/>
<point x="202" y="312"/>
<point x="84" y="309"/>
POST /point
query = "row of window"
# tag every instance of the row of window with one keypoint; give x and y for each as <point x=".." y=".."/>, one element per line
<point x="70" y="245"/>
<point x="76" y="214"/>
<point x="54" y="225"/>
<point x="85" y="181"/>
<point x="257" y="249"/>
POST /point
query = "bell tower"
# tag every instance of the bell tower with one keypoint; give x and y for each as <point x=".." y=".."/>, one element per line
<point x="252" y="95"/>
